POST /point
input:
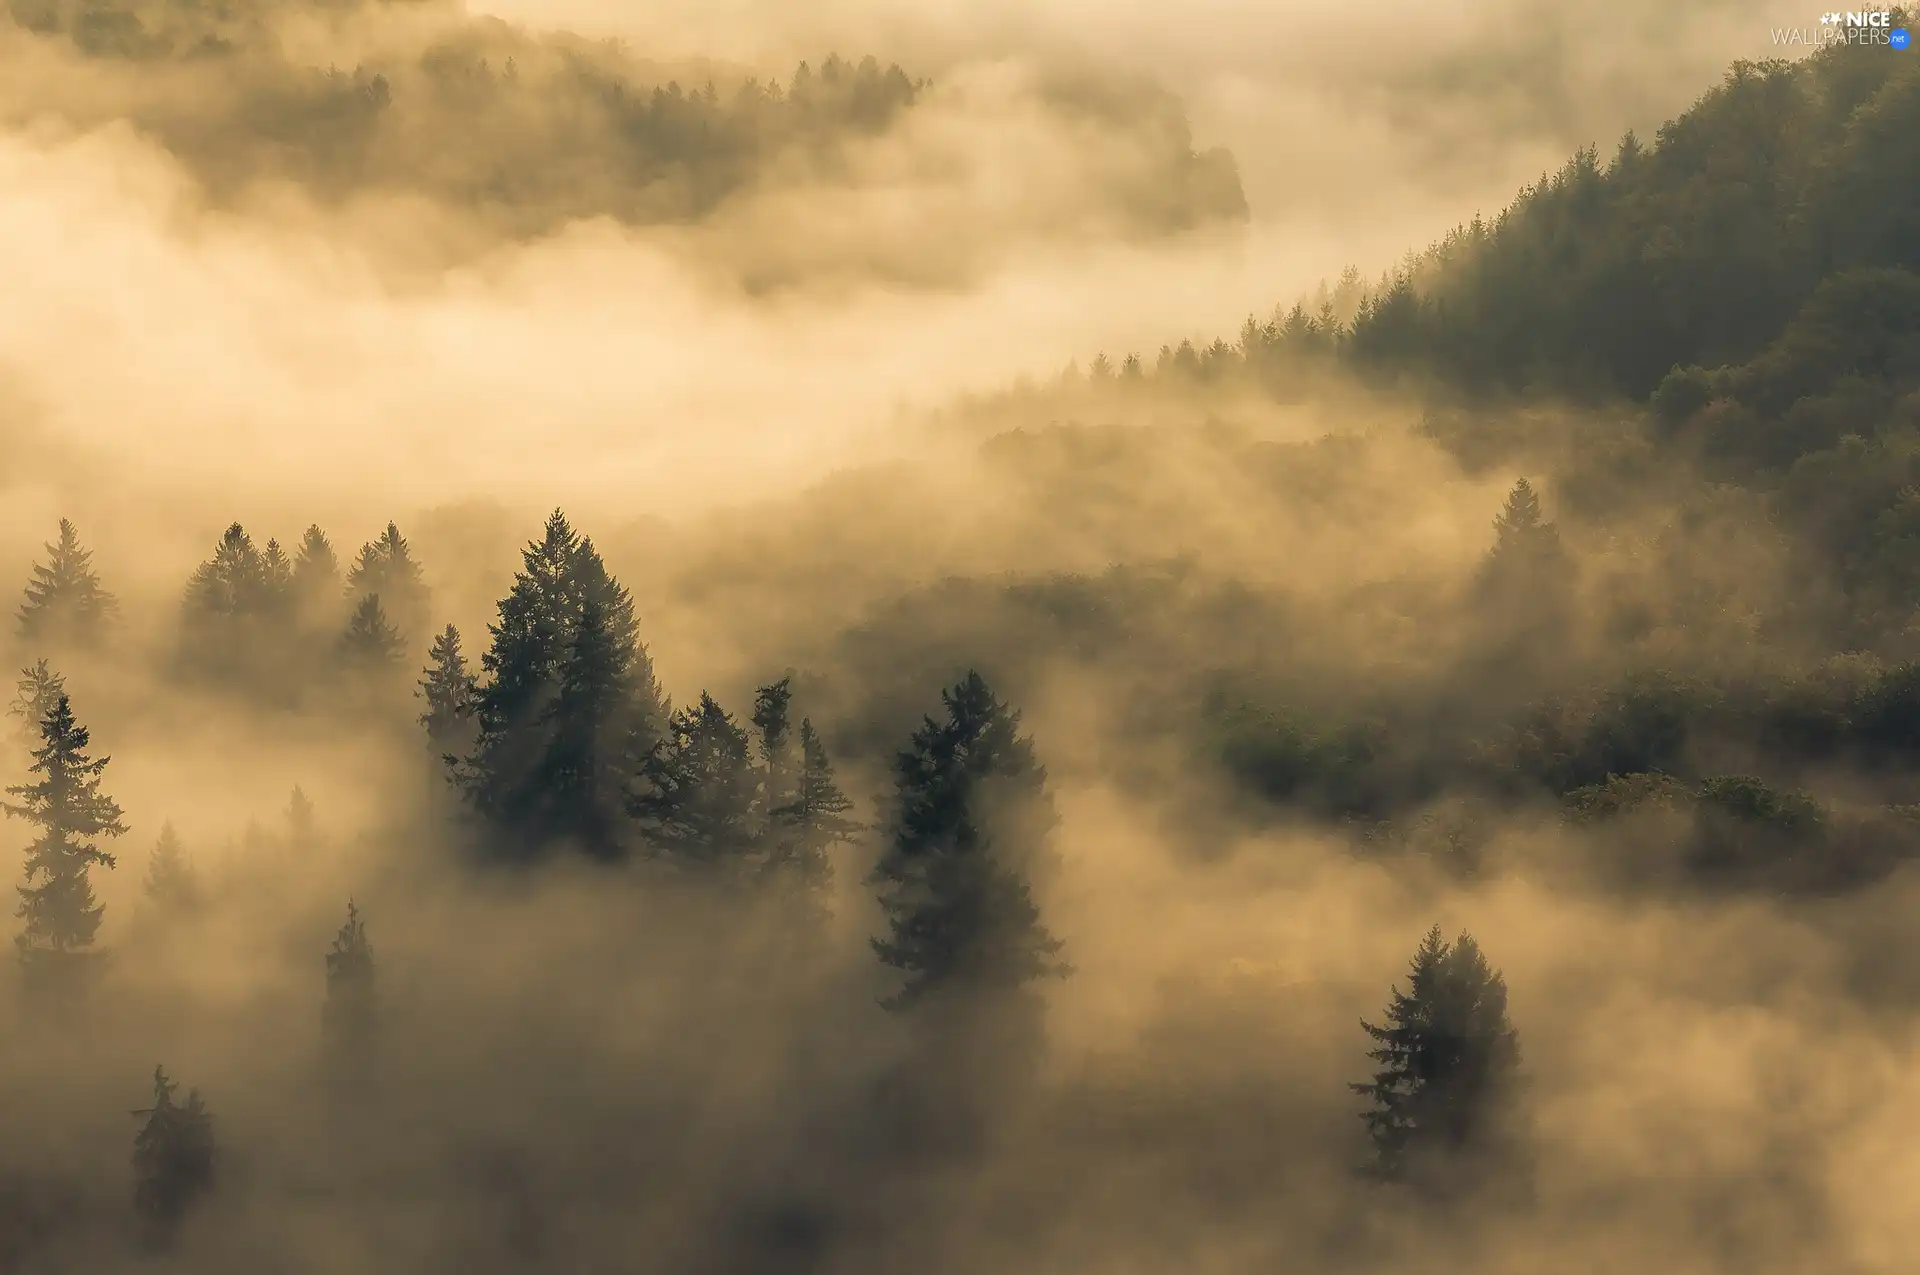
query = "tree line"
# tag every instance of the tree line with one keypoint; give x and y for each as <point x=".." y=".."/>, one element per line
<point x="562" y="743"/>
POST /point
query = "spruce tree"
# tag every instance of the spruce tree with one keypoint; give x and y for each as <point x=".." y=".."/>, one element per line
<point x="65" y="602"/>
<point x="449" y="690"/>
<point x="371" y="645"/>
<point x="386" y="567"/>
<point x="567" y="705"/>
<point x="315" y="585"/>
<point x="232" y="584"/>
<point x="276" y="581"/>
<point x="173" y="1156"/>
<point x="303" y="830"/>
<point x="172" y="884"/>
<point x="696" y="799"/>
<point x="37" y="691"/>
<point x="1525" y="543"/>
<point x="970" y="816"/>
<point x="812" y="821"/>
<point x="57" y="902"/>
<point x="1443" y="1100"/>
<point x="350" y="1016"/>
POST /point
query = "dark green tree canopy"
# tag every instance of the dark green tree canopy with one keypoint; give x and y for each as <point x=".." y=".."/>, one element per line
<point x="696" y="797"/>
<point x="65" y="803"/>
<point x="350" y="1015"/>
<point x="371" y="644"/>
<point x="386" y="568"/>
<point x="1443" y="1100"/>
<point x="173" y="1156"/>
<point x="65" y="601"/>
<point x="567" y="706"/>
<point x="970" y="818"/>
<point x="449" y="690"/>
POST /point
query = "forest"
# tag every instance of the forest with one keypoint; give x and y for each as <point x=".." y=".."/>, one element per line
<point x="1429" y="777"/>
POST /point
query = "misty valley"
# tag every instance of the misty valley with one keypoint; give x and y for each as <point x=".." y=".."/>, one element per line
<point x="641" y="645"/>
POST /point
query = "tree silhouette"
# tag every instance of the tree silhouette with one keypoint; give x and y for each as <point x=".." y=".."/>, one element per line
<point x="173" y="1156"/>
<point x="696" y="800"/>
<point x="371" y="645"/>
<point x="172" y="883"/>
<point x="316" y="575"/>
<point x="1442" y="1101"/>
<point x="64" y="600"/>
<point x="567" y="708"/>
<point x="449" y="690"/>
<point x="350" y="1017"/>
<point x="57" y="902"/>
<point x="37" y="691"/>
<point x="386" y="567"/>
<point x="970" y="815"/>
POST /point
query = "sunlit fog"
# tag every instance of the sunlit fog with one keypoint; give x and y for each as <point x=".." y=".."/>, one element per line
<point x="885" y="636"/>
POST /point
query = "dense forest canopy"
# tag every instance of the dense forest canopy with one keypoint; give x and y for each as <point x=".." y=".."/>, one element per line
<point x="1426" y="778"/>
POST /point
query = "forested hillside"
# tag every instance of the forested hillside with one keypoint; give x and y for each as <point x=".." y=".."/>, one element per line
<point x="1432" y="782"/>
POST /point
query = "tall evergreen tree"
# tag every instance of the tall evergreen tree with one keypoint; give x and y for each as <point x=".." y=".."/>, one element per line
<point x="172" y="883"/>
<point x="812" y="820"/>
<point x="303" y="830"/>
<point x="371" y="645"/>
<point x="316" y="578"/>
<point x="233" y="583"/>
<point x="57" y="902"/>
<point x="1524" y="539"/>
<point x="567" y="706"/>
<point x="449" y="690"/>
<point x="1525" y="584"/>
<point x="64" y="600"/>
<point x="1442" y="1101"/>
<point x="37" y="691"/>
<point x="386" y="567"/>
<point x="351" y="1014"/>
<point x="971" y="814"/>
<point x="696" y="801"/>
<point x="173" y="1156"/>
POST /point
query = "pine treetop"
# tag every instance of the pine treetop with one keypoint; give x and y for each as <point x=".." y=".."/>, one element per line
<point x="970" y="814"/>
<point x="350" y="960"/>
<point x="370" y="639"/>
<point x="64" y="597"/>
<point x="1447" y="1055"/>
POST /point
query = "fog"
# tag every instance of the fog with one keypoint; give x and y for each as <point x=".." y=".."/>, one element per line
<point x="803" y="388"/>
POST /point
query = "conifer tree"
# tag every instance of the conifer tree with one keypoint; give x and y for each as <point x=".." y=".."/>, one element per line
<point x="57" y="902"/>
<point x="1524" y="539"/>
<point x="813" y="819"/>
<point x="449" y="690"/>
<point x="172" y="883"/>
<point x="971" y="815"/>
<point x="567" y="706"/>
<point x="370" y="644"/>
<point x="771" y="707"/>
<point x="276" y="579"/>
<point x="696" y="801"/>
<point x="173" y="1156"/>
<point x="350" y="1016"/>
<point x="1442" y="1101"/>
<point x="64" y="600"/>
<point x="316" y="577"/>
<point x="231" y="584"/>
<point x="386" y="567"/>
<point x="303" y="832"/>
<point x="37" y="691"/>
